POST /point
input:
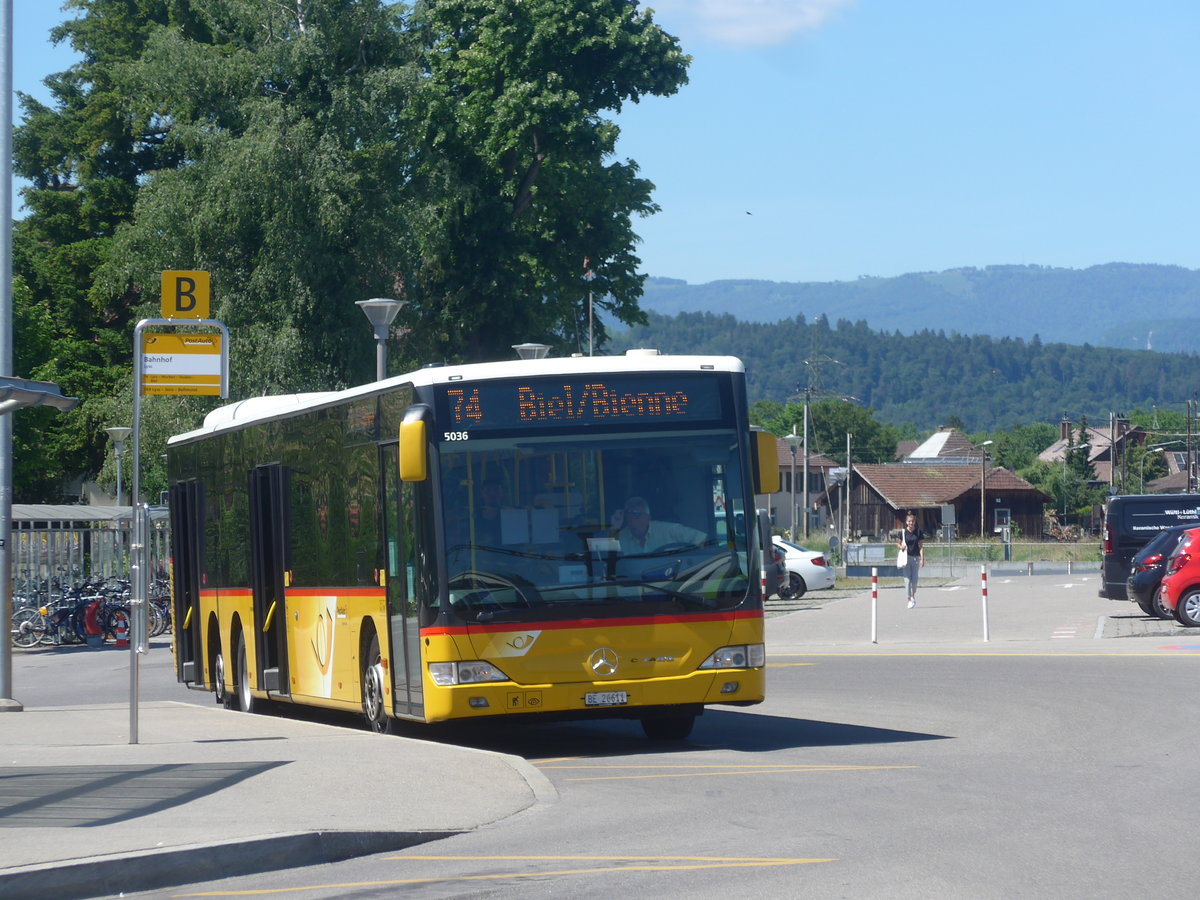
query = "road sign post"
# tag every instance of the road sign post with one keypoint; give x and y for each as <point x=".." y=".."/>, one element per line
<point x="181" y="363"/>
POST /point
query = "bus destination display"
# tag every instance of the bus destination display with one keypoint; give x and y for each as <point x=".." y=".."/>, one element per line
<point x="594" y="400"/>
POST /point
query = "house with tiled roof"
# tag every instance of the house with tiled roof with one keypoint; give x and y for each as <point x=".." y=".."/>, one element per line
<point x="944" y="479"/>
<point x="1106" y="446"/>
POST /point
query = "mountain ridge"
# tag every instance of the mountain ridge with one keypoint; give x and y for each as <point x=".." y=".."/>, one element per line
<point x="1108" y="305"/>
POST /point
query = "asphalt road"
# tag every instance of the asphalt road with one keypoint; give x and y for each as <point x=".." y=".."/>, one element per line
<point x="1057" y="768"/>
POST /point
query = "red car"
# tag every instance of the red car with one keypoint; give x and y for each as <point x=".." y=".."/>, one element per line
<point x="1181" y="583"/>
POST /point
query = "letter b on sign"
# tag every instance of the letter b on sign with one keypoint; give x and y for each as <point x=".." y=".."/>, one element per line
<point x="185" y="295"/>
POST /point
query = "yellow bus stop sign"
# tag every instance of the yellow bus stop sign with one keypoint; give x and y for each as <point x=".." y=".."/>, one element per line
<point x="188" y="364"/>
<point x="185" y="295"/>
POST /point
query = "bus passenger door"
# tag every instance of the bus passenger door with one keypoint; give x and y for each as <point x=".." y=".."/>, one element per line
<point x="269" y="517"/>
<point x="403" y="639"/>
<point x="187" y="526"/>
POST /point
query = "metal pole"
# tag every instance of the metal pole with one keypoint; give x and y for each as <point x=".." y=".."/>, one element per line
<point x="380" y="359"/>
<point x="807" y="392"/>
<point x="136" y="545"/>
<point x="792" y="483"/>
<point x="982" y="498"/>
<point x="846" y="501"/>
<point x="7" y="703"/>
<point x="874" y="606"/>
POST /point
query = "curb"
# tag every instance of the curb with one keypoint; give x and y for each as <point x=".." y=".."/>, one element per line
<point x="149" y="870"/>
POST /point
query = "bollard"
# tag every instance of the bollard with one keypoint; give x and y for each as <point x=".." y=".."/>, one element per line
<point x="874" y="605"/>
<point x="121" y="633"/>
<point x="983" y="594"/>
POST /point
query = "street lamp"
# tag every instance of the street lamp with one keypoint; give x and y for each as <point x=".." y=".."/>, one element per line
<point x="381" y="312"/>
<point x="982" y="489"/>
<point x="792" y="440"/>
<point x="119" y="436"/>
<point x="1154" y="448"/>
<point x="1142" y="472"/>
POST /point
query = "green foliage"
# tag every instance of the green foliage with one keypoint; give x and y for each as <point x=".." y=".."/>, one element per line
<point x="829" y="421"/>
<point x="453" y="154"/>
<point x="1017" y="447"/>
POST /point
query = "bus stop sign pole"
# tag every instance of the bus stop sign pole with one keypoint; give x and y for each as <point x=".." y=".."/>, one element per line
<point x="190" y="374"/>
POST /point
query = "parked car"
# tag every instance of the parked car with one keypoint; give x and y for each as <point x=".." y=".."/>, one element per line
<point x="1148" y="567"/>
<point x="807" y="570"/>
<point x="1130" y="521"/>
<point x="1181" y="583"/>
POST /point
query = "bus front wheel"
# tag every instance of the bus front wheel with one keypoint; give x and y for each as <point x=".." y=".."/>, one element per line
<point x="374" y="708"/>
<point x="668" y="728"/>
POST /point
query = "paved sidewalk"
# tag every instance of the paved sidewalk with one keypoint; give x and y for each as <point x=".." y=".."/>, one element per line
<point x="85" y="813"/>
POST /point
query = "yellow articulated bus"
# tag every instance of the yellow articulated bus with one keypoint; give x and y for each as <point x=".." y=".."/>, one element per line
<point x="567" y="537"/>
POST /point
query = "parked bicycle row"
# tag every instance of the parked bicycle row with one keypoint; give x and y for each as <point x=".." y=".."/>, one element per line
<point x="91" y="612"/>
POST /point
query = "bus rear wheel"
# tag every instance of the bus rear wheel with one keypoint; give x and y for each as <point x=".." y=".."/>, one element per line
<point x="374" y="708"/>
<point x="668" y="728"/>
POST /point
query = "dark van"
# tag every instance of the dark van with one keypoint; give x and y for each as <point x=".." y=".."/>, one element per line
<point x="1130" y="522"/>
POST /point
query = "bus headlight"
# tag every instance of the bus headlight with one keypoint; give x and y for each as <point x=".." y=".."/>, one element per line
<point x="740" y="656"/>
<point x="475" y="671"/>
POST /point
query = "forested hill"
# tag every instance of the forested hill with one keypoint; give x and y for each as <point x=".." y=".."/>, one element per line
<point x="1115" y="305"/>
<point x="926" y="378"/>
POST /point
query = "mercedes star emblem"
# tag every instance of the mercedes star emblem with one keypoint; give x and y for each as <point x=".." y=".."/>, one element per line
<point x="603" y="661"/>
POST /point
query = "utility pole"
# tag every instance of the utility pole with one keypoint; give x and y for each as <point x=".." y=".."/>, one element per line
<point x="807" y="396"/>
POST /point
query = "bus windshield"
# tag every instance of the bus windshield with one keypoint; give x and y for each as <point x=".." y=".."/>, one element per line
<point x="606" y="526"/>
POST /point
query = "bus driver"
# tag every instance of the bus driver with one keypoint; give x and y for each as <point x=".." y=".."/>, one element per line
<point x="638" y="533"/>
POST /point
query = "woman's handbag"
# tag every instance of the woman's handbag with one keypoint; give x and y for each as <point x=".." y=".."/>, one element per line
<point x="901" y="558"/>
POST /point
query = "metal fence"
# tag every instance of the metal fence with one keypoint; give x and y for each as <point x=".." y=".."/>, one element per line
<point x="51" y="555"/>
<point x="954" y="558"/>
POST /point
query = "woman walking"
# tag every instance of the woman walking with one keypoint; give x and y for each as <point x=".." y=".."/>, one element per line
<point x="912" y="541"/>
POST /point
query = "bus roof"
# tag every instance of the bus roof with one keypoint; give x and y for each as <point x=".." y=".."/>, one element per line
<point x="262" y="409"/>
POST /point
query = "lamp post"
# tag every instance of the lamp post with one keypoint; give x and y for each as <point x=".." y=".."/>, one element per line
<point x="119" y="436"/>
<point x="1142" y="470"/>
<point x="983" y="489"/>
<point x="792" y="439"/>
<point x="1154" y="448"/>
<point x="380" y="311"/>
<point x="15" y="393"/>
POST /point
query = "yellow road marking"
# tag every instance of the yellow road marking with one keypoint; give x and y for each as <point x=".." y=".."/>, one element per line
<point x="774" y="767"/>
<point x="691" y="863"/>
<point x="721" y="771"/>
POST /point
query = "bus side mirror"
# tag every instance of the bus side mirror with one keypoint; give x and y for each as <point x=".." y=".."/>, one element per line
<point x="414" y="461"/>
<point x="766" y="472"/>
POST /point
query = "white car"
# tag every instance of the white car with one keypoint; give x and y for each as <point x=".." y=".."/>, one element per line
<point x="808" y="570"/>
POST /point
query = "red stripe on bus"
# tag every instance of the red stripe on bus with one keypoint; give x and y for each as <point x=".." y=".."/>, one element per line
<point x="588" y="623"/>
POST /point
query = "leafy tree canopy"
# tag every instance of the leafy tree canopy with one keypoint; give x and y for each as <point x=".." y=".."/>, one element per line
<point x="310" y="153"/>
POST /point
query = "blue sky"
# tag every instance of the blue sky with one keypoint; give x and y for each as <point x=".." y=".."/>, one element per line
<point x="822" y="140"/>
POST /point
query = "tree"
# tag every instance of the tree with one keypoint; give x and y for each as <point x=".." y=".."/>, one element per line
<point x="84" y="158"/>
<point x="311" y="153"/>
<point x="829" y="422"/>
<point x="512" y="181"/>
<point x="454" y="157"/>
